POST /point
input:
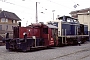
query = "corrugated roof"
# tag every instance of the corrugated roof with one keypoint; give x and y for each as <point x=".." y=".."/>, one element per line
<point x="77" y="11"/>
<point x="52" y="26"/>
<point x="9" y="15"/>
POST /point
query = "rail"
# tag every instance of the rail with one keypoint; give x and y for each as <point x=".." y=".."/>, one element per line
<point x="69" y="36"/>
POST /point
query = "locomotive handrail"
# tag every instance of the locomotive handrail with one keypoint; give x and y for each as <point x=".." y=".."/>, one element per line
<point x="62" y="36"/>
<point x="65" y="36"/>
<point x="69" y="36"/>
<point x="34" y="37"/>
<point x="48" y="36"/>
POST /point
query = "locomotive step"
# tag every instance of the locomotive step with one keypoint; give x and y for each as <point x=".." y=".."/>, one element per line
<point x="39" y="47"/>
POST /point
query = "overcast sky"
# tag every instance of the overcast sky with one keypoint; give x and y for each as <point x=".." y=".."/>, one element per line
<point x="26" y="9"/>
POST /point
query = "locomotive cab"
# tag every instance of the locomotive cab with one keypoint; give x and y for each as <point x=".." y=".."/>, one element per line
<point x="50" y="35"/>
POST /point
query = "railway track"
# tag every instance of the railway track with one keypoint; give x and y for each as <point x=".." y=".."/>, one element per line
<point x="84" y="50"/>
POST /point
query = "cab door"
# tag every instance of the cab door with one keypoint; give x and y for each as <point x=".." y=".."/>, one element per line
<point x="51" y="37"/>
<point x="45" y="36"/>
<point x="55" y="36"/>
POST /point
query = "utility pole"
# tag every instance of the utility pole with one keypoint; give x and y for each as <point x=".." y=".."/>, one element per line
<point x="26" y="23"/>
<point x="36" y="14"/>
<point x="53" y="13"/>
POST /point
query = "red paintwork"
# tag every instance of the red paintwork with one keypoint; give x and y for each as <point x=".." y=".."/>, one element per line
<point x="45" y="36"/>
<point x="30" y="32"/>
<point x="37" y="30"/>
<point x="51" y="40"/>
<point x="48" y="38"/>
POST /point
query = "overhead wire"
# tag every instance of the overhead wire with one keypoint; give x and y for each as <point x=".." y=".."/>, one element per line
<point x="75" y="4"/>
<point x="73" y="1"/>
<point x="20" y="5"/>
<point x="17" y="5"/>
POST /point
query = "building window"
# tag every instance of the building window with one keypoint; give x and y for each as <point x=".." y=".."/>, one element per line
<point x="13" y="21"/>
<point x="12" y="27"/>
<point x="6" y="27"/>
<point x="4" y="20"/>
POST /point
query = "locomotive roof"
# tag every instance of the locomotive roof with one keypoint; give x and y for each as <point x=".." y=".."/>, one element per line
<point x="67" y="17"/>
<point x="52" y="26"/>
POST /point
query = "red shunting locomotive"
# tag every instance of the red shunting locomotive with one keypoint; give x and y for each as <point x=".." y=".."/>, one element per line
<point x="34" y="36"/>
